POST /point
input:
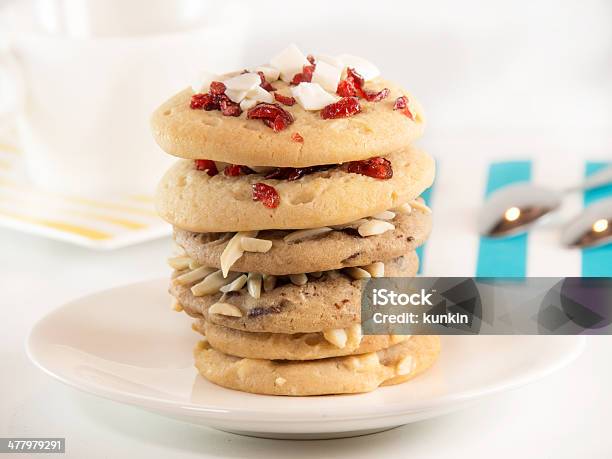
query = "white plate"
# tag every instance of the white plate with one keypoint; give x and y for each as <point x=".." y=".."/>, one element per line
<point x="127" y="345"/>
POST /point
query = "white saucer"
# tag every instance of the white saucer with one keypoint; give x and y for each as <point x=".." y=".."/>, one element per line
<point x="127" y="345"/>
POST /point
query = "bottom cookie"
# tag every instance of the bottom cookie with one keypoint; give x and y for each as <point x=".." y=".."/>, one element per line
<point x="337" y="375"/>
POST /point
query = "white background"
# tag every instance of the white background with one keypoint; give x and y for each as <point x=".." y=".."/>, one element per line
<point x="505" y="77"/>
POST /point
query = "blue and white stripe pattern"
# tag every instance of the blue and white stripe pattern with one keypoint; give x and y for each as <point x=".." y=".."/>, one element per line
<point x="456" y="249"/>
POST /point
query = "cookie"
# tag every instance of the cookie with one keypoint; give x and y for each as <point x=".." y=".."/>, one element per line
<point x="331" y="301"/>
<point x="333" y="250"/>
<point x="284" y="346"/>
<point x="198" y="134"/>
<point x="336" y="375"/>
<point x="194" y="201"/>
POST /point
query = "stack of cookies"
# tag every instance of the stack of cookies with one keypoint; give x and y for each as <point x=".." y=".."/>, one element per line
<point x="297" y="182"/>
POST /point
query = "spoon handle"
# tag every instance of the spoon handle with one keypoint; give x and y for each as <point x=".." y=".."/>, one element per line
<point x="600" y="178"/>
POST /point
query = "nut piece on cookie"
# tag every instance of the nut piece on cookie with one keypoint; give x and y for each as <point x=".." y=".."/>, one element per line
<point x="225" y="309"/>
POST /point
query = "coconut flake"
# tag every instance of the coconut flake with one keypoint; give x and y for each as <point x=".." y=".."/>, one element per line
<point x="243" y="82"/>
<point x="326" y="75"/>
<point x="259" y="94"/>
<point x="289" y="62"/>
<point x="311" y="96"/>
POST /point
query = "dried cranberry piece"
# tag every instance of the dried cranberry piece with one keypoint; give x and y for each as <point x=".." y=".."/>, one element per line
<point x="352" y="85"/>
<point x="266" y="194"/>
<point x="376" y="167"/>
<point x="203" y="101"/>
<point x="217" y="88"/>
<point x="346" y="88"/>
<point x="296" y="137"/>
<point x="285" y="100"/>
<point x="234" y="170"/>
<point x="374" y="96"/>
<point x="264" y="83"/>
<point x="293" y="173"/>
<point x="286" y="173"/>
<point x="311" y="59"/>
<point x="305" y="76"/>
<point x="345" y="107"/>
<point x="273" y="116"/>
<point x="227" y="107"/>
<point x="207" y="165"/>
<point x="401" y="103"/>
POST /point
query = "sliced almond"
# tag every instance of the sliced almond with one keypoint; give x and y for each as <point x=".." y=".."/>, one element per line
<point x="180" y="262"/>
<point x="357" y="273"/>
<point x="269" y="282"/>
<point x="212" y="283"/>
<point x="376" y="269"/>
<point x="233" y="250"/>
<point x="194" y="264"/>
<point x="251" y="244"/>
<point x="420" y="205"/>
<point x="385" y="215"/>
<point x="405" y="366"/>
<point x="194" y="276"/>
<point x="405" y="208"/>
<point x="301" y="235"/>
<point x="254" y="281"/>
<point x="225" y="309"/>
<point x="235" y="285"/>
<point x="299" y="279"/>
<point x="176" y="306"/>
<point x="355" y="334"/>
<point x="353" y="224"/>
<point x="374" y="227"/>
<point x="336" y="336"/>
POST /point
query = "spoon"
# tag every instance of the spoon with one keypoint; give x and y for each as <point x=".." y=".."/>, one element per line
<point x="591" y="228"/>
<point x="516" y="208"/>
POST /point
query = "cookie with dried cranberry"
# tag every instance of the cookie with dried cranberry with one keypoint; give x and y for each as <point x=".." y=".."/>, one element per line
<point x="336" y="375"/>
<point x="335" y="249"/>
<point x="309" y="140"/>
<point x="330" y="301"/>
<point x="297" y="346"/>
<point x="194" y="199"/>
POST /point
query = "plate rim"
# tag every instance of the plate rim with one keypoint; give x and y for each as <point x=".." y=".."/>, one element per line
<point x="214" y="412"/>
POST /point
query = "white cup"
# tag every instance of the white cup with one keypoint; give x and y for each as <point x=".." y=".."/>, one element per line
<point x="84" y="84"/>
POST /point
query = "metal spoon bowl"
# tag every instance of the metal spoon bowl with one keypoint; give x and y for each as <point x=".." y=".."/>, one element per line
<point x="518" y="207"/>
<point x="515" y="208"/>
<point x="591" y="228"/>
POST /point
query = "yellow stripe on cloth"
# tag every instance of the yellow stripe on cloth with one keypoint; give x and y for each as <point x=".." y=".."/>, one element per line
<point x="60" y="226"/>
<point x="108" y="219"/>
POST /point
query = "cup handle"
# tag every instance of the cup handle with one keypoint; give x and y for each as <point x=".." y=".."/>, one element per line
<point x="12" y="90"/>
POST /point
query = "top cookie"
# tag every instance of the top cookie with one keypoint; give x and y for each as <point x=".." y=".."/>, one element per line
<point x="211" y="132"/>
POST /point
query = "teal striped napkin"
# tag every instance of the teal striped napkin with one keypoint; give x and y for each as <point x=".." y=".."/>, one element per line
<point x="455" y="249"/>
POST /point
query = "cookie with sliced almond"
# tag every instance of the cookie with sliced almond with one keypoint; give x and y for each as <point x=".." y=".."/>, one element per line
<point x="391" y="234"/>
<point x="302" y="303"/>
